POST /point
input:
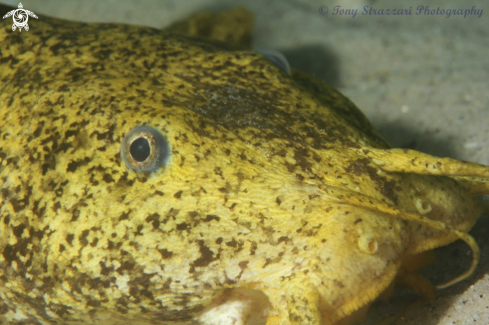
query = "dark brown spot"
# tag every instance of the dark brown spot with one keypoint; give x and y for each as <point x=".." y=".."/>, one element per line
<point x="154" y="219"/>
<point x="182" y="226"/>
<point x="206" y="255"/>
<point x="124" y="215"/>
<point x="69" y="239"/>
<point x="211" y="217"/>
<point x="165" y="253"/>
<point x="339" y="283"/>
<point x="83" y="237"/>
<point x="233" y="243"/>
<point x="283" y="239"/>
<point x="19" y="230"/>
<point x="243" y="265"/>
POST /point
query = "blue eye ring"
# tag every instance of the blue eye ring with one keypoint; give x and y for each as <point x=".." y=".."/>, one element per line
<point x="144" y="149"/>
<point x="278" y="59"/>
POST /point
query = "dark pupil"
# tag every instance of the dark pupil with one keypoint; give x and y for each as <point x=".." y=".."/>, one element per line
<point x="140" y="149"/>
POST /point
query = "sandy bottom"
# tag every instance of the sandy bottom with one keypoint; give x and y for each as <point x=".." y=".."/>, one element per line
<point x="421" y="79"/>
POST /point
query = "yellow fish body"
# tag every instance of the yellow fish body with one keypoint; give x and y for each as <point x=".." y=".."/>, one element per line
<point x="149" y="177"/>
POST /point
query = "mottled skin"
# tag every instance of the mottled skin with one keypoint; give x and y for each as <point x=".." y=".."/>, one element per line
<point x="280" y="203"/>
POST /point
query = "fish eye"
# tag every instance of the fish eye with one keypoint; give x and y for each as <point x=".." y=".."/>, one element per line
<point x="144" y="149"/>
<point x="278" y="59"/>
<point x="140" y="149"/>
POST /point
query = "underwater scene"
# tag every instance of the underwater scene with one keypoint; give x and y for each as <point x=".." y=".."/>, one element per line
<point x="244" y="162"/>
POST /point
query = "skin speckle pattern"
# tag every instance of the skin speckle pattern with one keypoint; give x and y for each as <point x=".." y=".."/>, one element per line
<point x="279" y="204"/>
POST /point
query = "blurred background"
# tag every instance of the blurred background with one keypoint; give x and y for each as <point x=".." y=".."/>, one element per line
<point x="421" y="79"/>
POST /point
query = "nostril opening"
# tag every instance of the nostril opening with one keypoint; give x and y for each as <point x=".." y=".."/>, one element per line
<point x="372" y="246"/>
<point x="422" y="205"/>
<point x="368" y="245"/>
